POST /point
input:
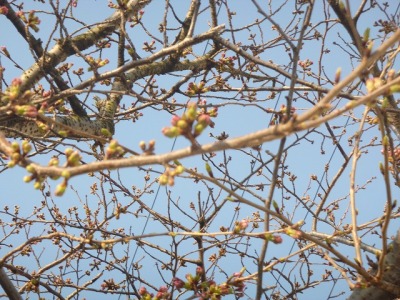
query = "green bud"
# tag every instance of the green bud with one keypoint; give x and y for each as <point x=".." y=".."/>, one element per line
<point x="53" y="161"/>
<point x="26" y="147"/>
<point x="191" y="112"/>
<point x="366" y="34"/>
<point x="182" y="125"/>
<point x="385" y="141"/>
<point x="171" y="132"/>
<point x="68" y="151"/>
<point x="63" y="133"/>
<point x="66" y="174"/>
<point x="105" y="132"/>
<point x="15" y="157"/>
<point x="179" y="169"/>
<point x="30" y="168"/>
<point x="28" y="178"/>
<point x="113" y="144"/>
<point x="37" y="185"/>
<point x="395" y="88"/>
<point x="60" y="189"/>
<point x="15" y="146"/>
<point x="163" y="179"/>
<point x="11" y="164"/>
<point x="198" y="129"/>
<point x="276" y="206"/>
<point x="209" y="171"/>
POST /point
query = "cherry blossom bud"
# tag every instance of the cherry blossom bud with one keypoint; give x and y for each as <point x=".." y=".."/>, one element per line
<point x="171" y="132"/>
<point x="199" y="270"/>
<point x="3" y="10"/>
<point x="175" y="120"/>
<point x="163" y="179"/>
<point x="191" y="112"/>
<point x="142" y="291"/>
<point x="61" y="188"/>
<point x="178" y="283"/>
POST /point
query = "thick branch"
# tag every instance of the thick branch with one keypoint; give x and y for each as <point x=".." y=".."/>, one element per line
<point x="391" y="275"/>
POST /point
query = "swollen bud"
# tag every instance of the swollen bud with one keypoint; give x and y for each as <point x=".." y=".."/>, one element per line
<point x="170" y="132"/>
<point x="61" y="188"/>
<point x="26" y="147"/>
<point x="191" y="112"/>
<point x="337" y="75"/>
<point x="209" y="171"/>
<point x="163" y="179"/>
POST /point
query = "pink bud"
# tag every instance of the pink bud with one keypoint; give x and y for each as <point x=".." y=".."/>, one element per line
<point x="199" y="270"/>
<point x="204" y="120"/>
<point x="178" y="283"/>
<point x="277" y="239"/>
<point x="163" y="289"/>
<point x="142" y="291"/>
<point x="16" y="81"/>
<point x="175" y="120"/>
<point x="243" y="224"/>
<point x="3" y="10"/>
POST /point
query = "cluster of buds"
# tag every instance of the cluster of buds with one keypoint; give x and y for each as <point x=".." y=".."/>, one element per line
<point x="197" y="89"/>
<point x="119" y="210"/>
<point x="281" y="116"/>
<point x="73" y="160"/>
<point x="114" y="150"/>
<point x="103" y="44"/>
<point x="32" y="285"/>
<point x="148" y="149"/>
<point x="209" y="289"/>
<point x="13" y="93"/>
<point x="191" y="124"/>
<point x="168" y="177"/>
<point x="274" y="238"/>
<point x="134" y="20"/>
<point x="19" y="153"/>
<point x="305" y="64"/>
<point x="393" y="156"/>
<point x="240" y="226"/>
<point x="226" y="62"/>
<point x="34" y="176"/>
<point x="373" y="84"/>
<point x="96" y="63"/>
<point x="162" y="293"/>
<point x="64" y="68"/>
<point x="27" y="111"/>
<point x="293" y="230"/>
<point x="32" y="21"/>
<point x="149" y="47"/>
<point x="109" y="285"/>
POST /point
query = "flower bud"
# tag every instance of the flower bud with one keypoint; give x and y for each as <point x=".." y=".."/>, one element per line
<point x="171" y="132"/>
<point x="66" y="174"/>
<point x="54" y="161"/>
<point x="182" y="125"/>
<point x="15" y="146"/>
<point x="179" y="170"/>
<point x="28" y="178"/>
<point x="163" y="179"/>
<point x="30" y="168"/>
<point x="142" y="145"/>
<point x="61" y="188"/>
<point x="175" y="120"/>
<point x="198" y="129"/>
<point x="191" y="112"/>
